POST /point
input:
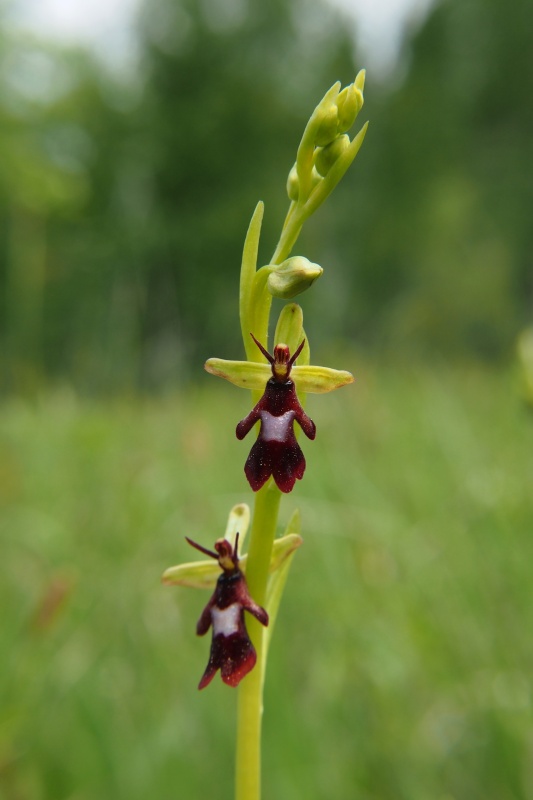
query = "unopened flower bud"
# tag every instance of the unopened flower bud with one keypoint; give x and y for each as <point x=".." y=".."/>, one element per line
<point x="292" y="277"/>
<point x="293" y="184"/>
<point x="327" y="129"/>
<point x="350" y="102"/>
<point x="327" y="156"/>
<point x="315" y="178"/>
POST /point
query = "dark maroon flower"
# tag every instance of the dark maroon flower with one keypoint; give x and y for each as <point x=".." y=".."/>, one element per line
<point x="276" y="451"/>
<point x="231" y="649"/>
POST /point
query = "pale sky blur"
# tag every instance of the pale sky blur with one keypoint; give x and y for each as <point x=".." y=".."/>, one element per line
<point x="106" y="25"/>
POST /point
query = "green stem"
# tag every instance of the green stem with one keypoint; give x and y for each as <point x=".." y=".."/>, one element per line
<point x="291" y="230"/>
<point x="250" y="706"/>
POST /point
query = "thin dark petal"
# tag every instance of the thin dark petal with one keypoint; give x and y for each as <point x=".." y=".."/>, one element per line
<point x="246" y="424"/>
<point x="204" y="623"/>
<point x="306" y="423"/>
<point x="257" y="611"/>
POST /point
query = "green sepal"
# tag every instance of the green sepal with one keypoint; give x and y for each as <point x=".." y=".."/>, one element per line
<point x="289" y="329"/>
<point x="204" y="574"/>
<point x="245" y="374"/>
<point x="320" y="380"/>
<point x="194" y="574"/>
<point x="238" y="523"/>
<point x="251" y="375"/>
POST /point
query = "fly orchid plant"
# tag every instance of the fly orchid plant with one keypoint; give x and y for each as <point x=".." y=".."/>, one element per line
<point x="254" y="582"/>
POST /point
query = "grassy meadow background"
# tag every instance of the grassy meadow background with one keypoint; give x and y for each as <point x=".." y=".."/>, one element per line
<point x="401" y="664"/>
<point x="402" y="661"/>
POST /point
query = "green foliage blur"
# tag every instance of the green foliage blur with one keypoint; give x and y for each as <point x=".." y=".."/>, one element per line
<point x="124" y="200"/>
<point x="402" y="661"/>
<point x="401" y="664"/>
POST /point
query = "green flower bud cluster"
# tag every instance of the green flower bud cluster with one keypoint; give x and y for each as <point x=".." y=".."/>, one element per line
<point x="340" y="115"/>
<point x="323" y="156"/>
<point x="325" y="145"/>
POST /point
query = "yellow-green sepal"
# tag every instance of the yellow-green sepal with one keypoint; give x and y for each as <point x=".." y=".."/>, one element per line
<point x="250" y="375"/>
<point x="245" y="374"/>
<point x="320" y="380"/>
<point x="290" y="331"/>
<point x="204" y="574"/>
<point x="194" y="574"/>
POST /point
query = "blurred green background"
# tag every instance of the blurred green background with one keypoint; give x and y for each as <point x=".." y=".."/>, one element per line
<point x="402" y="661"/>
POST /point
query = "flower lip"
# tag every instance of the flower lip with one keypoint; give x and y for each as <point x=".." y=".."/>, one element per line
<point x="282" y="361"/>
<point x="231" y="648"/>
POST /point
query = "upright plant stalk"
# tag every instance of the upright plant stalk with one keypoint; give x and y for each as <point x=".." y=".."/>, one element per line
<point x="276" y="460"/>
<point x="250" y="702"/>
